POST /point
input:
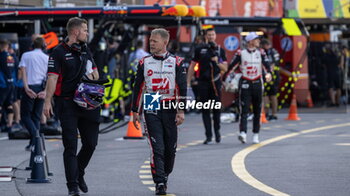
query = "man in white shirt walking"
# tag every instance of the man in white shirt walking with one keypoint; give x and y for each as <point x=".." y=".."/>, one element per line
<point x="33" y="66"/>
<point x="138" y="54"/>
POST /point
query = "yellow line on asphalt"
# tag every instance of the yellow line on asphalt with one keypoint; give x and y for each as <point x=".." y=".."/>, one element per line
<point x="147" y="182"/>
<point x="53" y="140"/>
<point x="312" y="136"/>
<point x="152" y="188"/>
<point x="192" y="144"/>
<point x="238" y="165"/>
<point x="145" y="176"/>
<point x="145" y="171"/>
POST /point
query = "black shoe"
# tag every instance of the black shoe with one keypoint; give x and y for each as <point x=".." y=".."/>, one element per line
<point x="28" y="148"/>
<point x="82" y="185"/>
<point x="160" y="189"/>
<point x="73" y="193"/>
<point x="218" y="139"/>
<point x="7" y="129"/>
<point x="207" y="141"/>
<point x="270" y="118"/>
<point x="332" y="105"/>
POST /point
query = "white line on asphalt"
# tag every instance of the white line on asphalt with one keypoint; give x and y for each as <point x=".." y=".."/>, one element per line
<point x="342" y="144"/>
<point x="4" y="138"/>
<point x="6" y="169"/>
<point x="238" y="160"/>
<point x="5" y="178"/>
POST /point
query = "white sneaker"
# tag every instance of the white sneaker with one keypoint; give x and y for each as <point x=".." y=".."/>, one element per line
<point x="250" y="117"/>
<point x="242" y="137"/>
<point x="256" y="138"/>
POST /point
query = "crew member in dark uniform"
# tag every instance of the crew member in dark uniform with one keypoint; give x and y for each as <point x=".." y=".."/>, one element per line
<point x="68" y="63"/>
<point x="212" y="63"/>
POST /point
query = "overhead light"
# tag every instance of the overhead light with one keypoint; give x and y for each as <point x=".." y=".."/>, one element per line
<point x="245" y="33"/>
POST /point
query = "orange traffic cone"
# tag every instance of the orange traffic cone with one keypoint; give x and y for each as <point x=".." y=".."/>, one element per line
<point x="132" y="132"/>
<point x="263" y="116"/>
<point x="310" y="104"/>
<point x="293" y="113"/>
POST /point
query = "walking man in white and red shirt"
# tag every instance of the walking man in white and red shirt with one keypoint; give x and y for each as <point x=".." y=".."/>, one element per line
<point x="254" y="65"/>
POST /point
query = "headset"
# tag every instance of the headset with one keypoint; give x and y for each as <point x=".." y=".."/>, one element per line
<point x="76" y="47"/>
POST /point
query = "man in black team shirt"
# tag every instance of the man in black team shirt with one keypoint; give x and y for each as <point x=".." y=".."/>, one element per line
<point x="68" y="63"/>
<point x="212" y="62"/>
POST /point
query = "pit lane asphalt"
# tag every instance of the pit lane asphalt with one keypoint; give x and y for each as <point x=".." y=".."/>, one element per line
<point x="314" y="163"/>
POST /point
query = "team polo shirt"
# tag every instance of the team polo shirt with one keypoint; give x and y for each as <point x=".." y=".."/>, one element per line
<point x="70" y="68"/>
<point x="35" y="62"/>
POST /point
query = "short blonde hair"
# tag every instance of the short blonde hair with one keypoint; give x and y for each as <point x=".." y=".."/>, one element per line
<point x="75" y="22"/>
<point x="162" y="32"/>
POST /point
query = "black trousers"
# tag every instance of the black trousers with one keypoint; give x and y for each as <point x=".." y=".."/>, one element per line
<point x="250" y="92"/>
<point x="74" y="118"/>
<point x="210" y="91"/>
<point x="31" y="110"/>
<point x="162" y="134"/>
